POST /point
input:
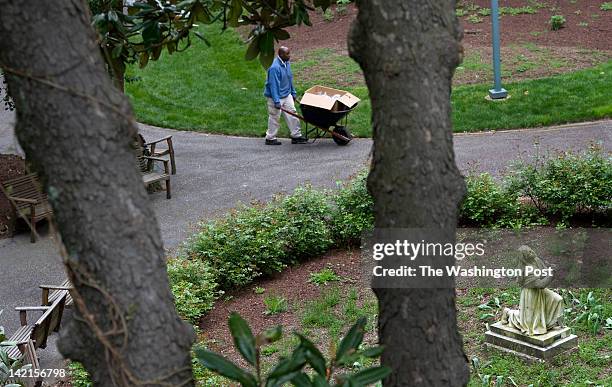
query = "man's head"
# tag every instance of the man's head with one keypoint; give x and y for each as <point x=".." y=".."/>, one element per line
<point x="284" y="53"/>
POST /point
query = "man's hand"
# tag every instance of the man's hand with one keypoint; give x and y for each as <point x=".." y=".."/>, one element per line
<point x="277" y="105"/>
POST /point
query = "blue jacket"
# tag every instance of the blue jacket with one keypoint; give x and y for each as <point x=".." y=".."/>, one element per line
<point x="279" y="82"/>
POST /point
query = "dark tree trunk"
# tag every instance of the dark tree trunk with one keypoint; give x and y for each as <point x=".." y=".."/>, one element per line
<point x="76" y="129"/>
<point x="408" y="51"/>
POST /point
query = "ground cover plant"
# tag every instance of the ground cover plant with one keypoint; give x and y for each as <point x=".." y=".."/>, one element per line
<point x="225" y="94"/>
<point x="329" y="310"/>
<point x="262" y="240"/>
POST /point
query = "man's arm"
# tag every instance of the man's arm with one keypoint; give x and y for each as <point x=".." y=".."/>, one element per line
<point x="274" y="78"/>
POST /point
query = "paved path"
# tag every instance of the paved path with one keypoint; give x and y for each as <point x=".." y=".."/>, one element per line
<point x="214" y="173"/>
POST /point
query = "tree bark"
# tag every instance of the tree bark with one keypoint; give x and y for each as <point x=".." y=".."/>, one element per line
<point x="76" y="129"/>
<point x="408" y="51"/>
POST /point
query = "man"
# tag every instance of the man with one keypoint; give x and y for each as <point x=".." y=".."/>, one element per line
<point x="280" y="93"/>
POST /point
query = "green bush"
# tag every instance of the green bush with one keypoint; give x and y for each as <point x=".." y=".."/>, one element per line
<point x="194" y="287"/>
<point x="354" y="212"/>
<point x="79" y="377"/>
<point x="567" y="184"/>
<point x="304" y="218"/>
<point x="260" y="240"/>
<point x="488" y="204"/>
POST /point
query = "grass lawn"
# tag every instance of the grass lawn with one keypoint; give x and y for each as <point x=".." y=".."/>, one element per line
<point x="214" y="90"/>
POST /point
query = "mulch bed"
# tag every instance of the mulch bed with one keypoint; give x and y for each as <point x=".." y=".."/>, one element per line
<point x="292" y="284"/>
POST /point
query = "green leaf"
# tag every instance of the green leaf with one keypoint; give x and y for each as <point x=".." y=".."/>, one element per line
<point x="370" y="375"/>
<point x="281" y="34"/>
<point x="373" y="352"/>
<point x="253" y="49"/>
<point x="289" y="365"/>
<point x="313" y="355"/>
<point x="235" y="12"/>
<point x="243" y="338"/>
<point x="225" y="367"/>
<point x="266" y="49"/>
<point x="319" y="381"/>
<point x="351" y="341"/>
<point x="301" y="380"/>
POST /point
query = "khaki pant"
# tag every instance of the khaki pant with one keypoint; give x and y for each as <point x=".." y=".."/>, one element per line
<point x="274" y="118"/>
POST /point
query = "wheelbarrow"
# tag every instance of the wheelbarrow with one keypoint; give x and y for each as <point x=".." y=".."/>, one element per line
<point x="320" y="122"/>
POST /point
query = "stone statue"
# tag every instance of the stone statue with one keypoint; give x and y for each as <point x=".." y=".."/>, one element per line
<point x="540" y="309"/>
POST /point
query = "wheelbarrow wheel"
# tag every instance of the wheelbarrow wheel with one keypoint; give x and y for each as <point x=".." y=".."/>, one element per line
<point x="343" y="131"/>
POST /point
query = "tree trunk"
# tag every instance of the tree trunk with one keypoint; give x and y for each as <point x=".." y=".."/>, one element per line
<point x="76" y="129"/>
<point x="408" y="51"/>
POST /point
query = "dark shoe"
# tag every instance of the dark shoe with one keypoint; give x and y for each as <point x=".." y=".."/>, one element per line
<point x="299" y="140"/>
<point x="273" y="142"/>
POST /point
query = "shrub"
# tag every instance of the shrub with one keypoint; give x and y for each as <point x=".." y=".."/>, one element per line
<point x="260" y="240"/>
<point x="240" y="246"/>
<point x="79" y="377"/>
<point x="557" y="22"/>
<point x="488" y="204"/>
<point x="194" y="287"/>
<point x="304" y="221"/>
<point x="567" y="184"/>
<point x="354" y="212"/>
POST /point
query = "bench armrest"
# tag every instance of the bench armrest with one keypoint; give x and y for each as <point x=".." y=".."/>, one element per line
<point x="155" y="159"/>
<point x="24" y="200"/>
<point x="158" y="140"/>
<point x="29" y="308"/>
<point x="55" y="287"/>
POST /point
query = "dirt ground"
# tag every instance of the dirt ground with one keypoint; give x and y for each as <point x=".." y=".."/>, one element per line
<point x="530" y="49"/>
<point x="514" y="29"/>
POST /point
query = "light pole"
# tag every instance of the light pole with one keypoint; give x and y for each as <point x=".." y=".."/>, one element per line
<point x="498" y="92"/>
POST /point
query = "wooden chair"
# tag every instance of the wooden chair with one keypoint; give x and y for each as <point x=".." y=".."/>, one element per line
<point x="38" y="332"/>
<point x="29" y="201"/>
<point x="162" y="153"/>
<point x="50" y="293"/>
<point x="151" y="176"/>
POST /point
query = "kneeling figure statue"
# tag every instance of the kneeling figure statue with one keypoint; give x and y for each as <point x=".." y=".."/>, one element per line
<point x="540" y="309"/>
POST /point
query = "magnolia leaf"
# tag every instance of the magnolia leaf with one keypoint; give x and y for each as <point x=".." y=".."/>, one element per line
<point x="370" y="375"/>
<point x="313" y="355"/>
<point x="225" y="367"/>
<point x="351" y="341"/>
<point x="253" y="49"/>
<point x="281" y="34"/>
<point x="243" y="338"/>
<point x="235" y="12"/>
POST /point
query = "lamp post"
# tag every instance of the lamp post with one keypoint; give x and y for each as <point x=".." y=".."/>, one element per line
<point x="498" y="92"/>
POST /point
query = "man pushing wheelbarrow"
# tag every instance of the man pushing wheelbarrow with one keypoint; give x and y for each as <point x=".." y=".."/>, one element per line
<point x="322" y="107"/>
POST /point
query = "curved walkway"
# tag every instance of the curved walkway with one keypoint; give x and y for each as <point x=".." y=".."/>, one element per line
<point x="215" y="172"/>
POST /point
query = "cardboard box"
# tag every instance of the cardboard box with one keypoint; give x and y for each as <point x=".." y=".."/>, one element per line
<point x="329" y="99"/>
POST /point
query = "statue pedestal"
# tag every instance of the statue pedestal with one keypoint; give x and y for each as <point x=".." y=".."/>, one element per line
<point x="540" y="347"/>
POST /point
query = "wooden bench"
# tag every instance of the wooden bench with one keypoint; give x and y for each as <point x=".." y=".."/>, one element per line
<point x="50" y="293"/>
<point x="151" y="175"/>
<point x="29" y="201"/>
<point x="28" y="356"/>
<point x="38" y="332"/>
<point x="162" y="153"/>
